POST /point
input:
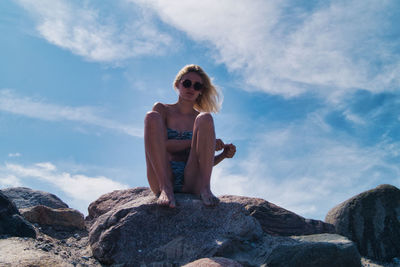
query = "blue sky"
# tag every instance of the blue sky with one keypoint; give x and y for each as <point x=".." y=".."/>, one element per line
<point x="311" y="94"/>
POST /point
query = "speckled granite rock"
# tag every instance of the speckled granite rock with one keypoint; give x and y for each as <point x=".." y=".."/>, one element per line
<point x="372" y="220"/>
<point x="278" y="221"/>
<point x="328" y="250"/>
<point x="141" y="232"/>
<point x="59" y="218"/>
<point x="25" y="197"/>
<point x="136" y="231"/>
<point x="11" y="222"/>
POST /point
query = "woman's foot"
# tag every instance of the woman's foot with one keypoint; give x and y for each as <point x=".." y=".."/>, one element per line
<point x="166" y="199"/>
<point x="208" y="198"/>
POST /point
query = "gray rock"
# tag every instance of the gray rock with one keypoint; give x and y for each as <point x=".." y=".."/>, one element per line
<point x="274" y="220"/>
<point x="115" y="199"/>
<point x="372" y="220"/>
<point x="11" y="222"/>
<point x="25" y="197"/>
<point x="141" y="232"/>
<point x="135" y="231"/>
<point x="60" y="219"/>
<point x="214" y="262"/>
<point x="278" y="221"/>
<point x="325" y="250"/>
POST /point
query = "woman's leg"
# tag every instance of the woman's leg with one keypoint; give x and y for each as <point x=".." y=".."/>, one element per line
<point x="201" y="160"/>
<point x="159" y="172"/>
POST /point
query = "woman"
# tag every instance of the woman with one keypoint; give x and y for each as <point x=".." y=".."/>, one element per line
<point x="180" y="140"/>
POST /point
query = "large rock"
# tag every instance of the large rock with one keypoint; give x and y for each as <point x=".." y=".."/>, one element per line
<point x="25" y="197"/>
<point x="273" y="219"/>
<point x="278" y="221"/>
<point x="128" y="227"/>
<point x="141" y="232"/>
<point x="372" y="220"/>
<point x="115" y="199"/>
<point x="65" y="218"/>
<point x="11" y="222"/>
<point x="326" y="250"/>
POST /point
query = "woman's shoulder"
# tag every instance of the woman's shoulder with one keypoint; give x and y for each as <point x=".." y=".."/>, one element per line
<point x="159" y="107"/>
<point x="163" y="108"/>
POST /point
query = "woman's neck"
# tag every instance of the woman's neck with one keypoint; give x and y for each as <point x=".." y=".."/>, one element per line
<point x="185" y="107"/>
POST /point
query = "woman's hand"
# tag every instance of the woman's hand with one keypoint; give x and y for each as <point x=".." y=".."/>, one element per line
<point x="219" y="145"/>
<point x="229" y="150"/>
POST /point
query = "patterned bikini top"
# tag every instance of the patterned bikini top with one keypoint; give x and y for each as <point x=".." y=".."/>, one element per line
<point x="173" y="134"/>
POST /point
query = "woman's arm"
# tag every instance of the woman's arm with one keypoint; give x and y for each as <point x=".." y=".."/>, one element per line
<point x="229" y="152"/>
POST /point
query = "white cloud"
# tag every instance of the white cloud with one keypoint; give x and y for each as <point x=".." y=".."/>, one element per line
<point x="33" y="108"/>
<point x="14" y="155"/>
<point x="278" y="47"/>
<point x="9" y="181"/>
<point x="285" y="49"/>
<point x="80" y="188"/>
<point x="46" y="166"/>
<point x="307" y="167"/>
<point x="81" y="29"/>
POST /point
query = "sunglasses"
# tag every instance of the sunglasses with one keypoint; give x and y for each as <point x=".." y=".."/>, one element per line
<point x="196" y="86"/>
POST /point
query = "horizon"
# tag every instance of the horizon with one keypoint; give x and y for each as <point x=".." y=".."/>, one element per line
<point x="310" y="89"/>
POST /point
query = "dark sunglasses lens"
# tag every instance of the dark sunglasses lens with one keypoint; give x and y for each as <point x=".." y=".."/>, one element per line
<point x="187" y="83"/>
<point x="197" y="86"/>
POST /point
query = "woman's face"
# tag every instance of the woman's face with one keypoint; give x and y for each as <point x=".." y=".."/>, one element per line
<point x="189" y="93"/>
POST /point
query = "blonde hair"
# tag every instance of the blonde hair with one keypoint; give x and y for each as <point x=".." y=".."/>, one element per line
<point x="210" y="99"/>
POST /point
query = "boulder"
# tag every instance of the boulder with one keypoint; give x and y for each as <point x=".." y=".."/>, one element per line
<point x="326" y="250"/>
<point x="278" y="221"/>
<point x="141" y="232"/>
<point x="214" y="262"/>
<point x="25" y="197"/>
<point x="64" y="218"/>
<point x="372" y="220"/>
<point x="273" y="219"/>
<point x="128" y="227"/>
<point x="115" y="199"/>
<point x="11" y="222"/>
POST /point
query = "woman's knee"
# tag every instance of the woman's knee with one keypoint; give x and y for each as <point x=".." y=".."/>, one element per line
<point x="204" y="119"/>
<point x="152" y="117"/>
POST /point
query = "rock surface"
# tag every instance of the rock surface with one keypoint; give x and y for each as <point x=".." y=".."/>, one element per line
<point x="328" y="250"/>
<point x="278" y="221"/>
<point x="372" y="220"/>
<point x="46" y="251"/>
<point x="59" y="247"/>
<point x="273" y="219"/>
<point x="11" y="222"/>
<point x="141" y="232"/>
<point x="58" y="218"/>
<point x="115" y="199"/>
<point x="214" y="262"/>
<point x="137" y="231"/>
<point x="25" y="197"/>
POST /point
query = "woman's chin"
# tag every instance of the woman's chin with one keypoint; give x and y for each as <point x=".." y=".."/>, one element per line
<point x="190" y="98"/>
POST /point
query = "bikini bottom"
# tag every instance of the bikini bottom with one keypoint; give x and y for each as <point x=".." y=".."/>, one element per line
<point x="178" y="169"/>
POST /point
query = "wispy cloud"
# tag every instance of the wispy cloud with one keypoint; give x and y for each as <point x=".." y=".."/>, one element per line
<point x="307" y="167"/>
<point x="38" y="109"/>
<point x="14" y="155"/>
<point x="85" y="31"/>
<point x="280" y="48"/>
<point x="80" y="188"/>
<point x="9" y="181"/>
